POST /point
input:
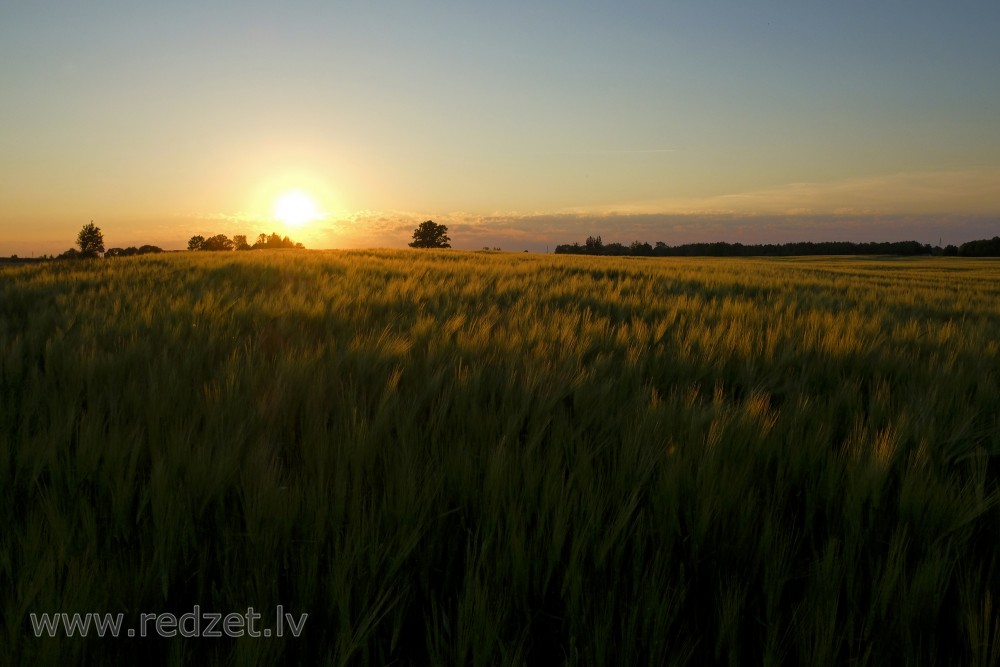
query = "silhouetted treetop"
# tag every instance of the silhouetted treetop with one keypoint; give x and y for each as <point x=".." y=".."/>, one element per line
<point x="429" y="234"/>
<point x="91" y="240"/>
<point x="132" y="250"/>
<point x="239" y="242"/>
<point x="981" y="248"/>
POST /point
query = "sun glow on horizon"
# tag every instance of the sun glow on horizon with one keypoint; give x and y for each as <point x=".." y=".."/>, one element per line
<point x="296" y="209"/>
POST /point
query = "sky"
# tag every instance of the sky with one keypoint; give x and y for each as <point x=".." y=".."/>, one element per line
<point x="520" y="125"/>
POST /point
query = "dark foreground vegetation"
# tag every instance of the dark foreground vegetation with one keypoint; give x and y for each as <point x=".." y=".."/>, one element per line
<point x="594" y="245"/>
<point x="450" y="458"/>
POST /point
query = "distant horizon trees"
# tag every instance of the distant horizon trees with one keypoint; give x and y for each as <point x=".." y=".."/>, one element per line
<point x="218" y="242"/>
<point x="432" y="235"/>
<point x="980" y="248"/>
<point x="594" y="245"/>
<point x="221" y="242"/>
<point x="90" y="241"/>
<point x="132" y="251"/>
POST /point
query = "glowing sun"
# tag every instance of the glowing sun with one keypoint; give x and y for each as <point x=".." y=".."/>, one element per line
<point x="296" y="209"/>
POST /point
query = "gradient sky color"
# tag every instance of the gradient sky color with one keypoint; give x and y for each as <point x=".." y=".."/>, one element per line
<point x="518" y="124"/>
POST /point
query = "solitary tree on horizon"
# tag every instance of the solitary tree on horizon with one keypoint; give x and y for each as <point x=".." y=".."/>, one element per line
<point x="430" y="235"/>
<point x="91" y="240"/>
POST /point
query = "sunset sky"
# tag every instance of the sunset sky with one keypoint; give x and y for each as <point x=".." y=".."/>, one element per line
<point x="518" y="124"/>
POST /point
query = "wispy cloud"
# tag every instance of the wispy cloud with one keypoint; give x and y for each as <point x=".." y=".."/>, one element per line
<point x="235" y="217"/>
<point x="627" y="151"/>
<point x="611" y="151"/>
<point x="969" y="191"/>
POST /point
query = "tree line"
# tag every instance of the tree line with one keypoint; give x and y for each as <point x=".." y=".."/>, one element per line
<point x="90" y="241"/>
<point x="221" y="242"/>
<point x="594" y="245"/>
<point x="980" y="248"/>
<point x="432" y="235"/>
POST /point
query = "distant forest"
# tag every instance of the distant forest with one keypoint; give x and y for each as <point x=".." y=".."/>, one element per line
<point x="595" y="246"/>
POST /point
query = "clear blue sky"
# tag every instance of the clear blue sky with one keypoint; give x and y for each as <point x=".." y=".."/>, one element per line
<point x="519" y="124"/>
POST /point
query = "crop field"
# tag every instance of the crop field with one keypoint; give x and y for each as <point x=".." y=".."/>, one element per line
<point x="457" y="458"/>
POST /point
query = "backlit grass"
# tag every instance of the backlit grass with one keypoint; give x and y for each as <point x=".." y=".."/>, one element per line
<point x="463" y="458"/>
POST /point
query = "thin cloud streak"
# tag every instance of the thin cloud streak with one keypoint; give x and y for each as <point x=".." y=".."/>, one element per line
<point x="627" y="151"/>
<point x="971" y="191"/>
<point x="611" y="151"/>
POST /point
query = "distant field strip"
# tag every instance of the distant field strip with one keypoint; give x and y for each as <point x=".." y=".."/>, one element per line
<point x="454" y="458"/>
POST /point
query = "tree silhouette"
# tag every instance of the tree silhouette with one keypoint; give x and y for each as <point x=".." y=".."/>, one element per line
<point x="274" y="241"/>
<point x="218" y="242"/>
<point x="594" y="244"/>
<point x="91" y="240"/>
<point x="981" y="248"/>
<point x="132" y="251"/>
<point x="430" y="235"/>
<point x="238" y="242"/>
<point x="640" y="249"/>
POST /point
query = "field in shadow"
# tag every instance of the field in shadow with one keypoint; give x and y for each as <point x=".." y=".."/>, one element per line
<point x="460" y="458"/>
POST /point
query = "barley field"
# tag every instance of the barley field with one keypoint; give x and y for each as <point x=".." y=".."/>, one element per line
<point x="457" y="458"/>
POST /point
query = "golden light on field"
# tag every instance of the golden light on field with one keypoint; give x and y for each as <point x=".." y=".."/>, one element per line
<point x="296" y="209"/>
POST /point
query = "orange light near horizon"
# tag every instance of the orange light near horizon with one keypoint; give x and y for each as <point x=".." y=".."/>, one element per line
<point x="296" y="208"/>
